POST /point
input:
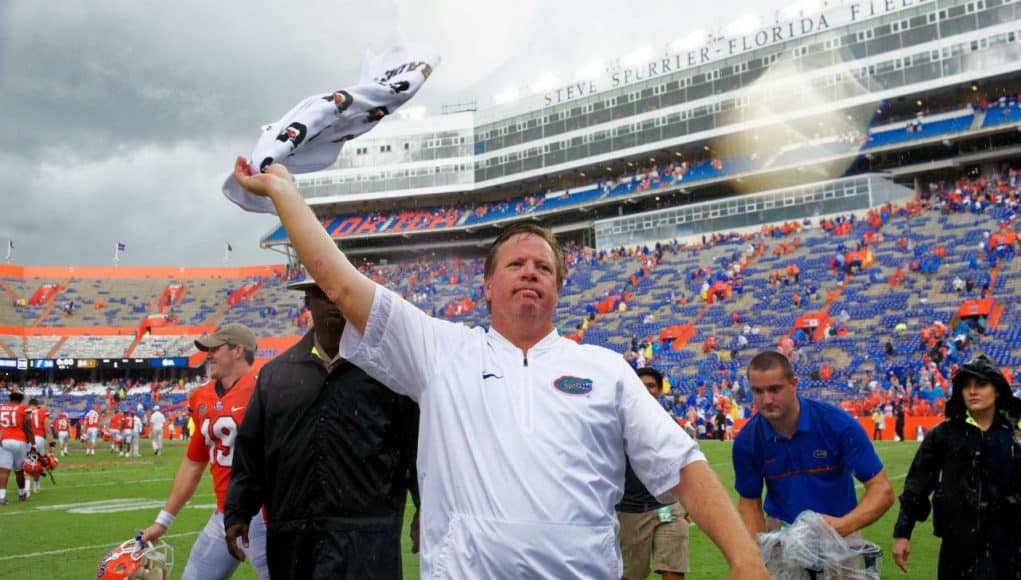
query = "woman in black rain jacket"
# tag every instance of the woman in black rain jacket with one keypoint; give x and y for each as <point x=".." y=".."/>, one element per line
<point x="970" y="465"/>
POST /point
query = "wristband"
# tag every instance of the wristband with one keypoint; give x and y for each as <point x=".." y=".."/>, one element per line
<point x="165" y="518"/>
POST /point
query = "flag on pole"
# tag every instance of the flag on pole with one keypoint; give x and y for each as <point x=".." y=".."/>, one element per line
<point x="10" y="249"/>
<point x="226" y="252"/>
<point x="117" y="249"/>
<point x="121" y="247"/>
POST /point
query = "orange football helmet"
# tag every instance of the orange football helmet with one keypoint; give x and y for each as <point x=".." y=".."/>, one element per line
<point x="32" y="466"/>
<point x="133" y="560"/>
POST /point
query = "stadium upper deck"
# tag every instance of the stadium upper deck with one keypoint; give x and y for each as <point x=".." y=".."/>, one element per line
<point x="849" y="57"/>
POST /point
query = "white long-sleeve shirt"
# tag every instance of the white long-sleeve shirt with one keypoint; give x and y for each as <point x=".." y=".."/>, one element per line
<point x="521" y="459"/>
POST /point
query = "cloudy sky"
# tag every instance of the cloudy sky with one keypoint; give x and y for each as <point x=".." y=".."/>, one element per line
<point x="123" y="117"/>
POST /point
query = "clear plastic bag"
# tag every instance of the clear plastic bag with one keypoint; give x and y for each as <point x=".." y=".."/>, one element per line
<point x="811" y="549"/>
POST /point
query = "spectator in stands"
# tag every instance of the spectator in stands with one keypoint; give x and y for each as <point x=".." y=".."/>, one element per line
<point x="346" y="522"/>
<point x="398" y="344"/>
<point x="648" y="527"/>
<point x="184" y="426"/>
<point x="898" y="426"/>
<point x="970" y="467"/>
<point x="720" y="424"/>
<point x="768" y="450"/>
<point x="878" y="424"/>
<point x="709" y="344"/>
<point x="742" y="341"/>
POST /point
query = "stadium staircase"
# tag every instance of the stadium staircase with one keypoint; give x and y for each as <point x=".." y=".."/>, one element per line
<point x="979" y="121"/>
<point x="192" y="310"/>
<point x="172" y="296"/>
<point x="7" y="289"/>
<point x="7" y="350"/>
<point x="56" y="348"/>
<point x="51" y="302"/>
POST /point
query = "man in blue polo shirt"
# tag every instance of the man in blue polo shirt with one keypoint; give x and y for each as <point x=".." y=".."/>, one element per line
<point x="806" y="452"/>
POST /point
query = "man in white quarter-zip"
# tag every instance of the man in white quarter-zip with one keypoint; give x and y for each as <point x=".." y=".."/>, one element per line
<point x="523" y="433"/>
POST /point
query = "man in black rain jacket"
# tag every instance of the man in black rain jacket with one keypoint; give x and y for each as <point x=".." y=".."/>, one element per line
<point x="330" y="452"/>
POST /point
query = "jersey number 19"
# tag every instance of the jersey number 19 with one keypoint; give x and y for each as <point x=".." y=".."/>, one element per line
<point x="219" y="438"/>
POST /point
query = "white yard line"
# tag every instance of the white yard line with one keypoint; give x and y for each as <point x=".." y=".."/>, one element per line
<point x="80" y="548"/>
<point x="92" y="547"/>
<point x="59" y="487"/>
<point x="51" y="507"/>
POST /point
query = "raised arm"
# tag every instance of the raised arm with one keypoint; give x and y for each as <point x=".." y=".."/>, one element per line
<point x="348" y="288"/>
<point x="702" y="494"/>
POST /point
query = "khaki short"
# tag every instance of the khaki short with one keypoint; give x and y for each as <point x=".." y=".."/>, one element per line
<point x="643" y="535"/>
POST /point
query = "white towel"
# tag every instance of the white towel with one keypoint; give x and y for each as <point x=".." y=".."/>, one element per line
<point x="310" y="136"/>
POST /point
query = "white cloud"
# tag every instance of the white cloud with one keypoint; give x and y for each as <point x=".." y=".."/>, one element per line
<point x="123" y="118"/>
<point x="475" y="37"/>
<point x="163" y="202"/>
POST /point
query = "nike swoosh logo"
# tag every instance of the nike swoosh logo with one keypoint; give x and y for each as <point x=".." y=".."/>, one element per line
<point x="236" y="409"/>
<point x="490" y="376"/>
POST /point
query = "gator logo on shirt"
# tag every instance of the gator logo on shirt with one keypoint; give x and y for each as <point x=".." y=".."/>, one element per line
<point x="573" y="385"/>
<point x="202" y="409"/>
<point x="819" y="454"/>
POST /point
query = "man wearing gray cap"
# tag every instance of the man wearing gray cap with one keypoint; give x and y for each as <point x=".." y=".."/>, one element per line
<point x="331" y="454"/>
<point x="217" y="409"/>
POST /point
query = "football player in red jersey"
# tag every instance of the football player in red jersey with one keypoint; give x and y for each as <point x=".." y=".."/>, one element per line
<point x="217" y="409"/>
<point x="61" y="427"/>
<point x="127" y="432"/>
<point x="115" y="431"/>
<point x="15" y="435"/>
<point x="39" y="417"/>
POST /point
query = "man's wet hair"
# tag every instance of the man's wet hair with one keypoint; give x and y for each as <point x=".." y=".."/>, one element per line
<point x="651" y="372"/>
<point x="536" y="230"/>
<point x="769" y="360"/>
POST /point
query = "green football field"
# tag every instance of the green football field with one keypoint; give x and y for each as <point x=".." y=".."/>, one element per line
<point x="99" y="501"/>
